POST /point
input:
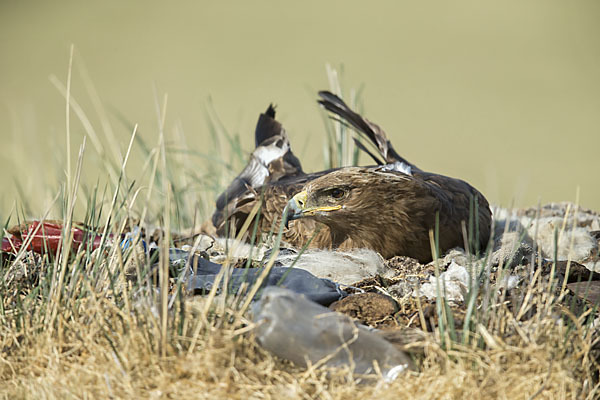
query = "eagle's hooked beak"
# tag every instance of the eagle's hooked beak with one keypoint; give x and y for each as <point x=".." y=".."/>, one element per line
<point x="296" y="208"/>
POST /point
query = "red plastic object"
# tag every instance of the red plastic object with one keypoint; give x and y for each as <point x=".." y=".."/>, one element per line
<point x="11" y="246"/>
<point x="45" y="237"/>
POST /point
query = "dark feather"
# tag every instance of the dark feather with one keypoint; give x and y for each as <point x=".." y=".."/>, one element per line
<point x="361" y="146"/>
<point x="267" y="126"/>
<point x="370" y="130"/>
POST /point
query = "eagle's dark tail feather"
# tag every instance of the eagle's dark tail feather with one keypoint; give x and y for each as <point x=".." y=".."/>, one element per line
<point x="370" y="130"/>
<point x="267" y="126"/>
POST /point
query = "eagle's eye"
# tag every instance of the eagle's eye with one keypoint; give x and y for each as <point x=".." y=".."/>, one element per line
<point x="337" y="193"/>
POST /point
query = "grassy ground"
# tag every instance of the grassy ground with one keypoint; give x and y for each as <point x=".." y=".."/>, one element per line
<point x="73" y="331"/>
<point x="83" y="325"/>
<point x="502" y="94"/>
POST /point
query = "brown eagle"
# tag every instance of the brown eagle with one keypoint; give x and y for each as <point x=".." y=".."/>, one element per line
<point x="390" y="207"/>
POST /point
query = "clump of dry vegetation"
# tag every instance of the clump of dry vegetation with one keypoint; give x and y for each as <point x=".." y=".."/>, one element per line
<point x="89" y="324"/>
<point x="102" y="341"/>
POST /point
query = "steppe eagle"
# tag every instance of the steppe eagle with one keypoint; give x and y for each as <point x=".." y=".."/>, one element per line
<point x="390" y="207"/>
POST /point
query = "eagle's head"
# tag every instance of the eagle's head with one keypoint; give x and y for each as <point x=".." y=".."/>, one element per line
<point x="390" y="211"/>
<point x="345" y="199"/>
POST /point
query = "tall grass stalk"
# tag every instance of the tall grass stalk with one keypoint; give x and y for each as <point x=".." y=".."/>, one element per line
<point x="82" y="324"/>
<point x="340" y="151"/>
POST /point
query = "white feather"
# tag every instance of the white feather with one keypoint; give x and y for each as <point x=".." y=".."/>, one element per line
<point x="398" y="166"/>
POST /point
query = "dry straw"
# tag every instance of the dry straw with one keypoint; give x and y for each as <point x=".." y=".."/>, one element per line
<point x="78" y="327"/>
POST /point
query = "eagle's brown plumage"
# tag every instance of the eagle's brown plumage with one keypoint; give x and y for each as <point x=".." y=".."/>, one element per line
<point x="389" y="208"/>
<point x="392" y="212"/>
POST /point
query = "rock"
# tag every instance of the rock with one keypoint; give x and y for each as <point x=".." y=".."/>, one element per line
<point x="562" y="224"/>
<point x="585" y="217"/>
<point x="404" y="265"/>
<point x="574" y="243"/>
<point x="577" y="272"/>
<point x="236" y="250"/>
<point x="410" y="340"/>
<point x="410" y="275"/>
<point x="453" y="284"/>
<point x="368" y="308"/>
<point x="404" y="288"/>
<point x="345" y="268"/>
<point x="456" y="256"/>
<point x="512" y="249"/>
<point x="509" y="282"/>
<point x="589" y="291"/>
<point x="299" y="330"/>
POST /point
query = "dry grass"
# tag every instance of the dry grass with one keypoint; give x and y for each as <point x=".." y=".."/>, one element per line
<point x="97" y="350"/>
<point x="75" y="326"/>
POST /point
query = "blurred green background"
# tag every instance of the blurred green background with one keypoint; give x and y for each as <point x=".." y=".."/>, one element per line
<point x="503" y="94"/>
